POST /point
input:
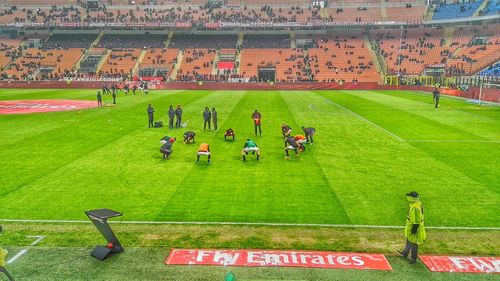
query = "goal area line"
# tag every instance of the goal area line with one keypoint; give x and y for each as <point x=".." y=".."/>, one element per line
<point x="250" y="224"/>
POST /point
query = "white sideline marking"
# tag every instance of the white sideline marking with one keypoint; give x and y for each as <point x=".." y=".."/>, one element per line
<point x="367" y="121"/>
<point x="14" y="258"/>
<point x="457" y="141"/>
<point x="38" y="239"/>
<point x="255" y="224"/>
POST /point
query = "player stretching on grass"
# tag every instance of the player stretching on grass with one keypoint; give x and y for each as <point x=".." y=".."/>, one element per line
<point x="256" y="116"/>
<point x="285" y="130"/>
<point x="203" y="150"/>
<point x="290" y="144"/>
<point x="309" y="131"/>
<point x="229" y="133"/>
<point x="300" y="140"/>
<point x="189" y="137"/>
<point x="250" y="146"/>
<point x="166" y="148"/>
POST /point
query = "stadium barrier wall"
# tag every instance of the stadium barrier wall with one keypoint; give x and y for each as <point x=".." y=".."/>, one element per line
<point x="492" y="95"/>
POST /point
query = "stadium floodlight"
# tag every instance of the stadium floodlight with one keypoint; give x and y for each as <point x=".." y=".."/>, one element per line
<point x="100" y="218"/>
<point x="483" y="86"/>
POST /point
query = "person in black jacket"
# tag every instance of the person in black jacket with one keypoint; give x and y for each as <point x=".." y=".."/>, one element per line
<point x="207" y="115"/>
<point x="99" y="98"/>
<point x="309" y="132"/>
<point x="214" y="118"/>
<point x="171" y="115"/>
<point x="189" y="137"/>
<point x="291" y="144"/>
<point x="151" y="112"/>
<point x="178" y="115"/>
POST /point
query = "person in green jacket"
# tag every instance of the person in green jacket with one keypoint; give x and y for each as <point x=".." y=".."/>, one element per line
<point x="414" y="230"/>
<point x="3" y="256"/>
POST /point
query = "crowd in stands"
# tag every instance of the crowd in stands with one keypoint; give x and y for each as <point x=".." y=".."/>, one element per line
<point x="492" y="70"/>
<point x="199" y="15"/>
<point x="186" y="41"/>
<point x="492" y="7"/>
<point x="130" y="41"/>
<point x="66" y="41"/>
<point x="455" y="9"/>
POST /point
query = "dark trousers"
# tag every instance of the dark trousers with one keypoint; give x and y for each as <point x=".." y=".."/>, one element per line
<point x="114" y="100"/>
<point x="166" y="153"/>
<point x="6" y="273"/>
<point x="436" y="101"/>
<point x="178" y="121"/>
<point x="99" y="102"/>
<point x="205" y="124"/>
<point x="171" y="123"/>
<point x="257" y="126"/>
<point x="411" y="248"/>
<point x="150" y="124"/>
<point x="215" y="124"/>
<point x="310" y="138"/>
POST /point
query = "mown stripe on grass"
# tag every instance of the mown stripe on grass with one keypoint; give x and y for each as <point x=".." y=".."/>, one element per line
<point x="374" y="170"/>
<point x="481" y="126"/>
<point x="68" y="145"/>
<point x="404" y="124"/>
<point x="244" y="191"/>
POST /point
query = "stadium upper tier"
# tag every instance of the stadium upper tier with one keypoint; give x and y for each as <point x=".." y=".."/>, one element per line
<point x="349" y="55"/>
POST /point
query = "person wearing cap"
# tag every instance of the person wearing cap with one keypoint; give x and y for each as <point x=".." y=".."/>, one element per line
<point x="309" y="132"/>
<point x="414" y="230"/>
<point x="250" y="146"/>
<point x="229" y="133"/>
<point x="204" y="149"/>
<point x="166" y="148"/>
<point x="189" y="137"/>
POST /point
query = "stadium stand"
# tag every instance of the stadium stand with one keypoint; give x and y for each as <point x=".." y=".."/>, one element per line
<point x="120" y="63"/>
<point x="65" y="41"/>
<point x="196" y="64"/>
<point x="158" y="62"/>
<point x="343" y="57"/>
<point x="458" y="9"/>
<point x="130" y="41"/>
<point x="8" y="50"/>
<point x="263" y="41"/>
<point x="492" y="7"/>
<point x="492" y="70"/>
<point x="188" y="41"/>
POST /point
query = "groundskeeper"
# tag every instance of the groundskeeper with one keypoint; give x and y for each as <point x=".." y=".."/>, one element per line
<point x="415" y="229"/>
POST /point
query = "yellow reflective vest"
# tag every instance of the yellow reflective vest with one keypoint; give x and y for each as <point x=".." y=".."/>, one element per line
<point x="415" y="216"/>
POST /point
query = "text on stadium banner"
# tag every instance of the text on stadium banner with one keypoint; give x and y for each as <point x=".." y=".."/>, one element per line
<point x="462" y="264"/>
<point x="253" y="258"/>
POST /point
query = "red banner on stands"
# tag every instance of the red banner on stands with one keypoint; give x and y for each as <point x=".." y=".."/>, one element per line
<point x="255" y="258"/>
<point x="462" y="264"/>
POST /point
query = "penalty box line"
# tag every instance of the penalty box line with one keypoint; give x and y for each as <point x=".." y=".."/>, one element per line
<point x="252" y="224"/>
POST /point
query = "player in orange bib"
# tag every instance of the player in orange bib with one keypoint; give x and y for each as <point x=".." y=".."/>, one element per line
<point x="204" y="149"/>
<point x="300" y="140"/>
<point x="256" y="116"/>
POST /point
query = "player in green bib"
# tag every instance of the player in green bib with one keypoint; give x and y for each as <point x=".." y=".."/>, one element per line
<point x="250" y="146"/>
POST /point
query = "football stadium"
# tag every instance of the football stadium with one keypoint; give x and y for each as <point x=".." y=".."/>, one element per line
<point x="250" y="140"/>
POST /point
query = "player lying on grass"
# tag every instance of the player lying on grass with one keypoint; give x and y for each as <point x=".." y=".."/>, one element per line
<point x="250" y="146"/>
<point x="189" y="137"/>
<point x="285" y="130"/>
<point x="300" y="140"/>
<point x="204" y="149"/>
<point x="309" y="131"/>
<point x="229" y="133"/>
<point x="166" y="148"/>
<point x="290" y="144"/>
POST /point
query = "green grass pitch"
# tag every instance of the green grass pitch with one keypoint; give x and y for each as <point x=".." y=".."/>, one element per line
<point x="371" y="148"/>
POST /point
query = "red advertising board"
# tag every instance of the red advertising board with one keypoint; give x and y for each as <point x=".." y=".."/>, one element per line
<point x="254" y="258"/>
<point x="462" y="264"/>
